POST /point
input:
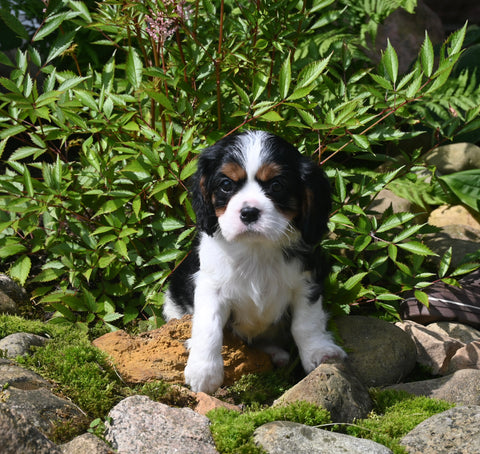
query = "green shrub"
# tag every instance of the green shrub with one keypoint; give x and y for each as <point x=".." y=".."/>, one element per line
<point x="103" y="114"/>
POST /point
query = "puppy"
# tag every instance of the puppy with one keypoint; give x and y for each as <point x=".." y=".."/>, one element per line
<point x="261" y="210"/>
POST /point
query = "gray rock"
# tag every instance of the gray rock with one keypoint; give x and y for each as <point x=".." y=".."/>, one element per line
<point x="41" y="408"/>
<point x="379" y="353"/>
<point x="386" y="198"/>
<point x="11" y="295"/>
<point x="282" y="437"/>
<point x="464" y="241"/>
<point x="335" y="388"/>
<point x="458" y="331"/>
<point x="13" y="375"/>
<point x="454" y="157"/>
<point x="29" y="395"/>
<point x="462" y="387"/>
<point x="19" y="344"/>
<point x="140" y="426"/>
<point x="86" y="443"/>
<point x="434" y="350"/>
<point x="454" y="431"/>
<point x="18" y="436"/>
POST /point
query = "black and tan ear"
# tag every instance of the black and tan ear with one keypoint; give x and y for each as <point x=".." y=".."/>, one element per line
<point x="202" y="192"/>
<point x="316" y="204"/>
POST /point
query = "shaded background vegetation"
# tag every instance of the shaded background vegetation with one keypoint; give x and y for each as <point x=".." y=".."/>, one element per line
<point x="105" y="106"/>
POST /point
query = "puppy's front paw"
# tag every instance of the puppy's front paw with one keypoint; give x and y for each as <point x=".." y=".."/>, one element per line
<point x="316" y="356"/>
<point x="205" y="376"/>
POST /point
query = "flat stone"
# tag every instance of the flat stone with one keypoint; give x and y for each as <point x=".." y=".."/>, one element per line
<point x="206" y="403"/>
<point x="141" y="426"/>
<point x="335" y="388"/>
<point x="281" y="437"/>
<point x="86" y="443"/>
<point x="379" y="353"/>
<point x="19" y="344"/>
<point x="18" y="436"/>
<point x="462" y="387"/>
<point x="12" y="295"/>
<point x="454" y="431"/>
<point x="434" y="350"/>
<point x="15" y="376"/>
<point x="459" y="331"/>
<point x="454" y="157"/>
<point x="453" y="215"/>
<point x="466" y="357"/>
<point x="463" y="240"/>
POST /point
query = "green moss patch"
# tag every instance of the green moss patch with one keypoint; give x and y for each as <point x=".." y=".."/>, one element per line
<point x="232" y="431"/>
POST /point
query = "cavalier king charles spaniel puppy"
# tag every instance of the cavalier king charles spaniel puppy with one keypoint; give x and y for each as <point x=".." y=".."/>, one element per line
<point x="261" y="210"/>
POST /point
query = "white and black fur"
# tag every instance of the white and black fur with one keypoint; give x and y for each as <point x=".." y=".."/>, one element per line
<point x="261" y="210"/>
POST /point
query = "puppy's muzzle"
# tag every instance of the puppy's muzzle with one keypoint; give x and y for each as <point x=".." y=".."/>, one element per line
<point x="249" y="215"/>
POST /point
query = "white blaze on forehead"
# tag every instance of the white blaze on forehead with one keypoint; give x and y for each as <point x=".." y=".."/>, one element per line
<point x="252" y="149"/>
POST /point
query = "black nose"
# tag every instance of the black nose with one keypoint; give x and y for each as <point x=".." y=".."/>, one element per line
<point x="249" y="215"/>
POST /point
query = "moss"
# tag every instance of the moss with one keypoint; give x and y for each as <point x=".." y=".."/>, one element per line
<point x="82" y="373"/>
<point x="396" y="413"/>
<point x="80" y="370"/>
<point x="233" y="431"/>
<point x="261" y="388"/>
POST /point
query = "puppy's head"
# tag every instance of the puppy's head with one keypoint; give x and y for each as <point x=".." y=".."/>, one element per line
<point x="255" y="185"/>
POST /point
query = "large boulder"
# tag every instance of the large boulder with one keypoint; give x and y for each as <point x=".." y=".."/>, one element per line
<point x="455" y="430"/>
<point x="335" y="388"/>
<point x="140" y="425"/>
<point x="379" y="353"/>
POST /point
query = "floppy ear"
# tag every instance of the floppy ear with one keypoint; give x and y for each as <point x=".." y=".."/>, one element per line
<point x="317" y="202"/>
<point x="202" y="191"/>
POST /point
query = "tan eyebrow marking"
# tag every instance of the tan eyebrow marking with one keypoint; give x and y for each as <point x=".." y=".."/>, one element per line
<point x="234" y="171"/>
<point x="268" y="171"/>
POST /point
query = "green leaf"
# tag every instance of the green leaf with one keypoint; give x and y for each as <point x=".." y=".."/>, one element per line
<point x="466" y="186"/>
<point x="361" y="141"/>
<point x="27" y="181"/>
<point x="445" y="263"/>
<point x="60" y="45"/>
<point x="395" y="220"/>
<point x="170" y="224"/>
<point x="384" y="83"/>
<point x="285" y="78"/>
<point x="11" y="249"/>
<point x="310" y="73"/>
<point x="390" y="62"/>
<point x="21" y="269"/>
<point x="351" y="282"/>
<point x="465" y="268"/>
<point x="427" y="56"/>
<point x="134" y="68"/>
<point x="13" y="24"/>
<point x="52" y="24"/>
<point x="361" y="242"/>
<point x="456" y="40"/>
<point x="111" y="317"/>
<point x="416" y="248"/>
<point x="188" y="170"/>
<point x="12" y="131"/>
<point x="271" y="116"/>
<point x="422" y="297"/>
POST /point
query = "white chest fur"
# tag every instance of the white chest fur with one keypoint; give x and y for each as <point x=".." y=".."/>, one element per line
<point x="252" y="280"/>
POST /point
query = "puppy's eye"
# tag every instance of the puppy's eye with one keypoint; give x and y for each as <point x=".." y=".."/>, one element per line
<point x="276" y="186"/>
<point x="226" y="185"/>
